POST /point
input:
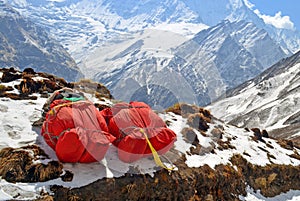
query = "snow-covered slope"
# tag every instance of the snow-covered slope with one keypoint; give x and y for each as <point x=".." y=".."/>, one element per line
<point x="271" y="100"/>
<point x="146" y="66"/>
<point x="138" y="63"/>
<point x="82" y="25"/>
<point x="214" y="145"/>
<point x="242" y="44"/>
<point x="24" y="44"/>
<point x="226" y="55"/>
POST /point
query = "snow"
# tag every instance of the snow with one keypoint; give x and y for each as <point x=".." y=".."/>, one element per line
<point x="113" y="55"/>
<point x="187" y="29"/>
<point x="292" y="195"/>
<point x="248" y="100"/>
<point x="245" y="146"/>
<point x="15" y="129"/>
<point x="177" y="123"/>
<point x="39" y="78"/>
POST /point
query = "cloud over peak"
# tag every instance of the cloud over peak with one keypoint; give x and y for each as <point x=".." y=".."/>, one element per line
<point x="278" y="21"/>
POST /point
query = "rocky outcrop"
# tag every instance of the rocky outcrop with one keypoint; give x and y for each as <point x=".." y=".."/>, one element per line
<point x="43" y="83"/>
<point x="272" y="179"/>
<point x="224" y="182"/>
<point x="203" y="183"/>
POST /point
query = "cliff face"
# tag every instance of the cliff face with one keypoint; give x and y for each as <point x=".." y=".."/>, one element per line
<point x="25" y="44"/>
<point x="211" y="160"/>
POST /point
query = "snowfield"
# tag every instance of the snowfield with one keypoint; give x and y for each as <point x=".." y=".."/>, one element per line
<point x="270" y="101"/>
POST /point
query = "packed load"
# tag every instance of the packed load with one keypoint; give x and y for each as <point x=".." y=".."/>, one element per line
<point x="75" y="129"/>
<point x="78" y="132"/>
<point x="139" y="131"/>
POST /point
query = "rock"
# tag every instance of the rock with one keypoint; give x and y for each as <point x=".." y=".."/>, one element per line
<point x="265" y="134"/>
<point x="272" y="179"/>
<point x="28" y="71"/>
<point x="198" y="121"/>
<point x="187" y="109"/>
<point x="257" y="134"/>
<point x="68" y="176"/>
<point x="287" y="144"/>
<point x="10" y="76"/>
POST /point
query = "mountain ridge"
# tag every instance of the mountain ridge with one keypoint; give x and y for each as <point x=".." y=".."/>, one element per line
<point x="210" y="57"/>
<point x="270" y="100"/>
<point x="109" y="16"/>
<point x="26" y="45"/>
<point x="86" y="26"/>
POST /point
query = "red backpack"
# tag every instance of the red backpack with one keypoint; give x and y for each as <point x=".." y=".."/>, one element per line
<point x="138" y="130"/>
<point x="75" y="129"/>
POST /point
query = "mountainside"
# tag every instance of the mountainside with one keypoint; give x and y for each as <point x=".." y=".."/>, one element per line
<point x="24" y="44"/>
<point x="210" y="160"/>
<point x="216" y="59"/>
<point x="227" y="55"/>
<point x="82" y="25"/>
<point x="139" y="69"/>
<point x="236" y="40"/>
<point x="271" y="101"/>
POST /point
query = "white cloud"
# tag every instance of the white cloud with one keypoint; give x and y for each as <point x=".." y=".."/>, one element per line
<point x="282" y="22"/>
<point x="278" y="21"/>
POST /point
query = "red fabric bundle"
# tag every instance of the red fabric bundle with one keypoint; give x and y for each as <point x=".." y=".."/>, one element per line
<point x="129" y="123"/>
<point x="76" y="131"/>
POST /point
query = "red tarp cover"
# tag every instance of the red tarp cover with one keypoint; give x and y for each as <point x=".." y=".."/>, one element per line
<point x="76" y="131"/>
<point x="125" y="122"/>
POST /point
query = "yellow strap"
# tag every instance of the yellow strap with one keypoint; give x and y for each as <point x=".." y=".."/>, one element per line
<point x="53" y="110"/>
<point x="154" y="153"/>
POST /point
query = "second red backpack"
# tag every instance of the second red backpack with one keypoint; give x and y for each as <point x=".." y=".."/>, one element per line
<point x="137" y="127"/>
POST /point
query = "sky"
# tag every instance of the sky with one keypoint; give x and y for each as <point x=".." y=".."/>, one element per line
<point x="280" y="13"/>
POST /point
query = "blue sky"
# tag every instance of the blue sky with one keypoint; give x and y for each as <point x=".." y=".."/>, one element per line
<point x="280" y="13"/>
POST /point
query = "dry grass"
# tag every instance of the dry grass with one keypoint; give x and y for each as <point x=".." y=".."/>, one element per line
<point x="16" y="165"/>
<point x="185" y="110"/>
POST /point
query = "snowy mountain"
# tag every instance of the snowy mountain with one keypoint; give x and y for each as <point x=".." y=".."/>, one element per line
<point x="197" y="70"/>
<point x="24" y="44"/>
<point x="92" y="30"/>
<point x="82" y="25"/>
<point x="271" y="101"/>
<point x="210" y="159"/>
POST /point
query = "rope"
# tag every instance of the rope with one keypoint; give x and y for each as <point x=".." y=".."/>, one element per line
<point x="155" y="154"/>
<point x="53" y="113"/>
<point x="53" y="110"/>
